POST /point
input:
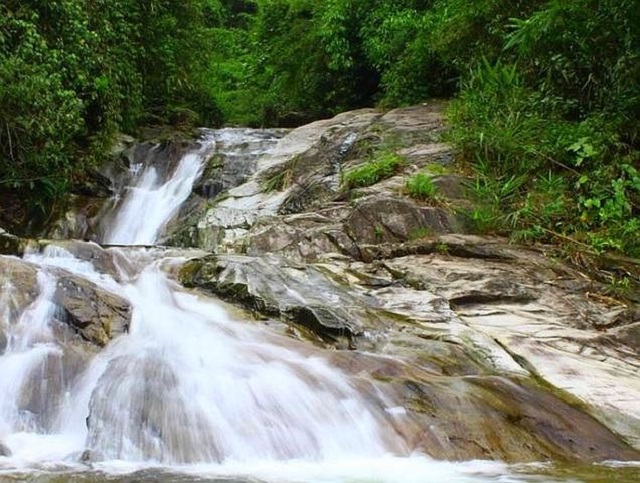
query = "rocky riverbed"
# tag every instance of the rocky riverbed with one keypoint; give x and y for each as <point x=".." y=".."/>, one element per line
<point x="491" y="350"/>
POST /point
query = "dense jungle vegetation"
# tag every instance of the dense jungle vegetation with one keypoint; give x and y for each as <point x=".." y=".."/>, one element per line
<point x="545" y="116"/>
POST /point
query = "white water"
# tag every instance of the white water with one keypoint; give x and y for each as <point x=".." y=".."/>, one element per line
<point x="29" y="348"/>
<point x="189" y="389"/>
<point x="189" y="384"/>
<point x="151" y="201"/>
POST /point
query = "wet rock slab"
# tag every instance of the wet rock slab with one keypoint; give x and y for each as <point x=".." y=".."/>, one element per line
<point x="493" y="353"/>
<point x="487" y="330"/>
<point x="272" y="286"/>
<point x="541" y="314"/>
<point x="481" y="416"/>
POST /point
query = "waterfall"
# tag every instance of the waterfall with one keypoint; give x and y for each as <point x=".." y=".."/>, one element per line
<point x="151" y="201"/>
<point x="29" y="349"/>
<point x="191" y="387"/>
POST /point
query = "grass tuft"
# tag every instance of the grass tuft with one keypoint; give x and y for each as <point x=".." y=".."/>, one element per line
<point x="421" y="187"/>
<point x="382" y="167"/>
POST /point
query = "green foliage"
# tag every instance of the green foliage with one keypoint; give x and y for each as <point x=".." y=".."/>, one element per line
<point x="548" y="107"/>
<point x="493" y="196"/>
<point x="557" y="117"/>
<point x="438" y="169"/>
<point x="290" y="73"/>
<point x="73" y="72"/>
<point x="498" y="118"/>
<point x="232" y="81"/>
<point x="442" y="248"/>
<point x="385" y="165"/>
<point x="41" y="113"/>
<point x="585" y="53"/>
<point x="558" y="109"/>
<point x="174" y="56"/>
<point x="421" y="187"/>
<point x="296" y="60"/>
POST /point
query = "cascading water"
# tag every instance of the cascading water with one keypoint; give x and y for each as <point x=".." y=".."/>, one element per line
<point x="188" y="387"/>
<point x="151" y="200"/>
<point x="30" y="347"/>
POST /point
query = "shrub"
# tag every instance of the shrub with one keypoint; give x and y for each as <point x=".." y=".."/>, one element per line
<point x="565" y="179"/>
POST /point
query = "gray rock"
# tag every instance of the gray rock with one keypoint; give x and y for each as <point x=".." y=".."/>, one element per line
<point x="11" y="244"/>
<point x="104" y="261"/>
<point x="451" y="186"/>
<point x="4" y="450"/>
<point x="422" y="155"/>
<point x="95" y="314"/>
<point x="92" y="312"/>
<point x="380" y="219"/>
<point x="18" y="286"/>
<point x="274" y="287"/>
<point x="301" y="172"/>
<point x="628" y="335"/>
<point x="462" y="305"/>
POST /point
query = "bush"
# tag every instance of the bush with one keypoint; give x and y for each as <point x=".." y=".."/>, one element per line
<point x="540" y="175"/>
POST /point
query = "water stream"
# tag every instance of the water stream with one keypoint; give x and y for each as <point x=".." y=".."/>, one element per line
<point x="192" y="392"/>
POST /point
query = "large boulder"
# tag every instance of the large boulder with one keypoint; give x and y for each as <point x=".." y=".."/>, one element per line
<point x="11" y="244"/>
<point x="97" y="315"/>
<point x="4" y="450"/>
<point x="94" y="313"/>
<point x="271" y="286"/>
<point x="18" y="287"/>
